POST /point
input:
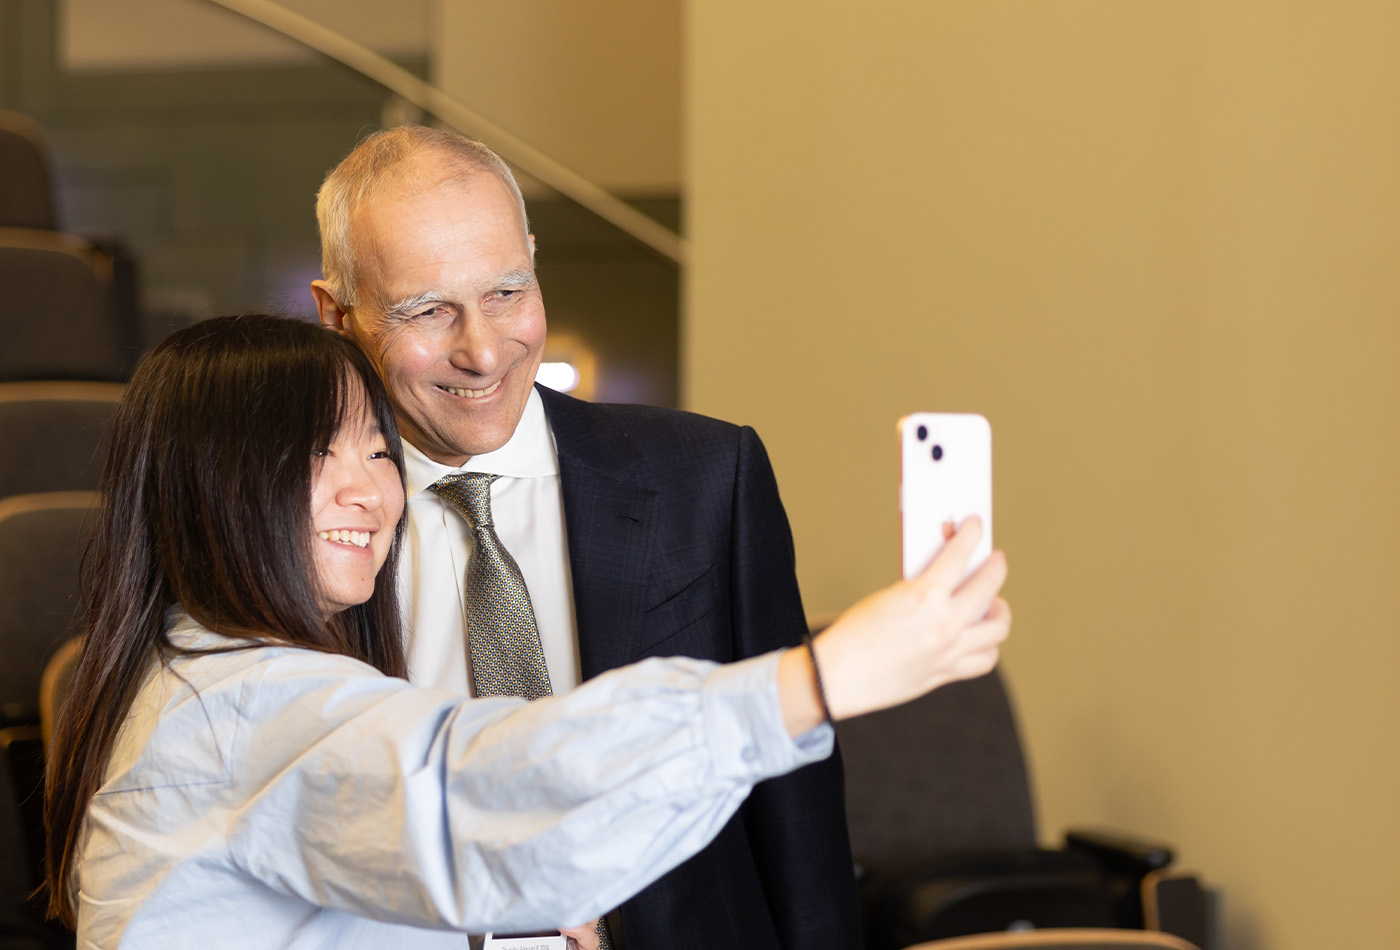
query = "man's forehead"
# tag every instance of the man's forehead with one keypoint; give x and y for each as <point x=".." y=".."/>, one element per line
<point x="401" y="238"/>
<point x="415" y="204"/>
<point x="432" y="176"/>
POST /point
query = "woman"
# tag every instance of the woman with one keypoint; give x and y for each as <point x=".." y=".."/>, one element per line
<point x="240" y="762"/>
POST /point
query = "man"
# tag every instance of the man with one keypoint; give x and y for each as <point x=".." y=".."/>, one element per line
<point x="637" y="531"/>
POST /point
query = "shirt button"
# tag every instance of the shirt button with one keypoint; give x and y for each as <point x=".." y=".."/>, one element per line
<point x="750" y="754"/>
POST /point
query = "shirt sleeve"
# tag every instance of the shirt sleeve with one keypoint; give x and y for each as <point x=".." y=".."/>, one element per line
<point x="360" y="792"/>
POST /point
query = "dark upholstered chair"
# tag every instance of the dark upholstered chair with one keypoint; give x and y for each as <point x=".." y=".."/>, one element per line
<point x="26" y="184"/>
<point x="41" y="539"/>
<point x="58" y="310"/>
<point x="54" y="684"/>
<point x="58" y="432"/>
<point x="1063" y="939"/>
<point x="943" y="829"/>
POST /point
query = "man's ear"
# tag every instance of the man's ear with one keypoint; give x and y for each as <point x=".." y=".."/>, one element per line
<point x="330" y="311"/>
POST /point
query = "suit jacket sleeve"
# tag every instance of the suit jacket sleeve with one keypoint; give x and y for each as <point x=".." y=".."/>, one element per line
<point x="796" y="824"/>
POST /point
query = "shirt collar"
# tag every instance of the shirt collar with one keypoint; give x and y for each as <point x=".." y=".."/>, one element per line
<point x="530" y="452"/>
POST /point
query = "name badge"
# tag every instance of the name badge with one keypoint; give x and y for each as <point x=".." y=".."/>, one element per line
<point x="544" y="941"/>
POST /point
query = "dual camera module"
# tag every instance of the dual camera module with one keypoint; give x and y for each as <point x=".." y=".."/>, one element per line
<point x="937" y="452"/>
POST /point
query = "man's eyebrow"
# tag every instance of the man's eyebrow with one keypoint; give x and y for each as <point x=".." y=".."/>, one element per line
<point x="522" y="279"/>
<point x="400" y="307"/>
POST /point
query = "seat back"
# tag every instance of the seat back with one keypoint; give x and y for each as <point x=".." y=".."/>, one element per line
<point x="59" y="432"/>
<point x="41" y="541"/>
<point x="56" y="310"/>
<point x="54" y="684"/>
<point x="26" y="187"/>
<point x="939" y="776"/>
<point x="1062" y="939"/>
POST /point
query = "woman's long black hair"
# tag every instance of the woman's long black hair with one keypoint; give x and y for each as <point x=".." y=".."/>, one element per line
<point x="206" y="497"/>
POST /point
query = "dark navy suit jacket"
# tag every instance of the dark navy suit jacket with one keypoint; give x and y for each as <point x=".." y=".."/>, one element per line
<point x="679" y="546"/>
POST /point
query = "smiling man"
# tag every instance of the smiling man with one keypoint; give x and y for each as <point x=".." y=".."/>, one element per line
<point x="550" y="539"/>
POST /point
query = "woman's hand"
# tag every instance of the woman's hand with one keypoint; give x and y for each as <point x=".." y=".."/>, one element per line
<point x="584" y="937"/>
<point x="905" y="640"/>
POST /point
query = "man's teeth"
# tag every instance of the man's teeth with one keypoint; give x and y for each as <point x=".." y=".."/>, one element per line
<point x="357" y="538"/>
<point x="475" y="393"/>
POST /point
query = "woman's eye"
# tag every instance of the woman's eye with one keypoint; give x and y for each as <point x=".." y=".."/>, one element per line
<point x="320" y="453"/>
<point x="382" y="454"/>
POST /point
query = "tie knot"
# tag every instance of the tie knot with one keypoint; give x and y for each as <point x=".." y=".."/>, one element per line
<point x="469" y="494"/>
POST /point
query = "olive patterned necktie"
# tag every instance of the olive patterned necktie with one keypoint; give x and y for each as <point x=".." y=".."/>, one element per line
<point x="502" y="638"/>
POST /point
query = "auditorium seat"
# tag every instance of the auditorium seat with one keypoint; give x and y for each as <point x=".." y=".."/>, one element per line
<point x="53" y="686"/>
<point x="943" y="829"/>
<point x="57" y="434"/>
<point x="41" y="539"/>
<point x="1062" y="939"/>
<point x="58" y="314"/>
<point x="26" y="183"/>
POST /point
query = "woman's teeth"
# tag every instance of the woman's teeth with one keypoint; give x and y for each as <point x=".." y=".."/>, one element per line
<point x="475" y="393"/>
<point x="357" y="538"/>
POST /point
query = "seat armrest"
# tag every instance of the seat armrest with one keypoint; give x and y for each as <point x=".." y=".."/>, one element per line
<point x="1123" y="853"/>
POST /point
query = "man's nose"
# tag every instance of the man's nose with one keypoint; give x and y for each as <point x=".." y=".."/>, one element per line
<point x="476" y="346"/>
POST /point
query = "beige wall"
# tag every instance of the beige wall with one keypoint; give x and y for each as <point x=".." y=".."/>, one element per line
<point x="596" y="86"/>
<point x="1158" y="244"/>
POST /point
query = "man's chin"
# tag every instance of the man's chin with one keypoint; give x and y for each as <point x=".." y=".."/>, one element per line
<point x="471" y="444"/>
<point x="453" y="441"/>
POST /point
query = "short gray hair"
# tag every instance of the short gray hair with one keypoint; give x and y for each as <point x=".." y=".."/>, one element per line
<point x="368" y="167"/>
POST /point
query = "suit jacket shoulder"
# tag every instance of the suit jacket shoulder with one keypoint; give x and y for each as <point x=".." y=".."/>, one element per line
<point x="614" y="438"/>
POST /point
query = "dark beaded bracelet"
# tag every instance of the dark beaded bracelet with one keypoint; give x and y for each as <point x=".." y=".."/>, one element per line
<point x="817" y="674"/>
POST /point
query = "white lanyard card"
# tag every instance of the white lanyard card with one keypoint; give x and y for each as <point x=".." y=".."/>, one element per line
<point x="553" y="941"/>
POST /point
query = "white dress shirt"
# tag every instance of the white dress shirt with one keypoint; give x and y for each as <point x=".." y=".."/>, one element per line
<point x="277" y="797"/>
<point x="527" y="506"/>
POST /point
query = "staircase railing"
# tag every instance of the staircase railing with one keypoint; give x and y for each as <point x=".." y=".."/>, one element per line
<point x="461" y="117"/>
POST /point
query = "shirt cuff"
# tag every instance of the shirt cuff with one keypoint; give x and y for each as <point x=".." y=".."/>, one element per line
<point x="744" y="723"/>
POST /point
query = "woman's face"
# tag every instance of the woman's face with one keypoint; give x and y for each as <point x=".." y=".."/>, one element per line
<point x="356" y="502"/>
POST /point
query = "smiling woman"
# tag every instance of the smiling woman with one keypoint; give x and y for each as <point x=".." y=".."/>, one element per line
<point x="240" y="762"/>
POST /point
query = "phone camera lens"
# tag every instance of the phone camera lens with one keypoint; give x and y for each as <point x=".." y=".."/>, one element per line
<point x="937" y="453"/>
<point x="922" y="432"/>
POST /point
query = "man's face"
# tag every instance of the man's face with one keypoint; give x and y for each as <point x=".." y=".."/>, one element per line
<point x="449" y="308"/>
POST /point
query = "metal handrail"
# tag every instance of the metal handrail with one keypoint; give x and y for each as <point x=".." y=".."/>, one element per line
<point x="434" y="101"/>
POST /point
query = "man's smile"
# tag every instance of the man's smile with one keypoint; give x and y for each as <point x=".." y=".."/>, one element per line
<point x="473" y="393"/>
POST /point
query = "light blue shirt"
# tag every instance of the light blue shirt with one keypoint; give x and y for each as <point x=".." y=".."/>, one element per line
<point x="303" y="799"/>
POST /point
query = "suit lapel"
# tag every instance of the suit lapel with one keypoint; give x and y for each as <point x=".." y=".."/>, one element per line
<point x="608" y="518"/>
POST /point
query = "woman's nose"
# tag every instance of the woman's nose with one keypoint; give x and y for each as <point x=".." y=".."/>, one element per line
<point x="360" y="488"/>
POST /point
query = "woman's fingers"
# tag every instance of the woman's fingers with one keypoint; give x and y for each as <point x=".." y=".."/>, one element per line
<point x="974" y="596"/>
<point x="950" y="563"/>
<point x="976" y="664"/>
<point x="584" y="937"/>
<point x="991" y="630"/>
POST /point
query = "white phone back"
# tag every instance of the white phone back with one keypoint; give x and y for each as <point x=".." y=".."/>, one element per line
<point x="933" y="491"/>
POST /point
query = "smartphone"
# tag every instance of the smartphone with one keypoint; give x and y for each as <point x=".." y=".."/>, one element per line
<point x="945" y="475"/>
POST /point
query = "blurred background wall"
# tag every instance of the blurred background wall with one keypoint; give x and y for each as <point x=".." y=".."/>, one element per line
<point x="199" y="138"/>
<point x="1156" y="244"/>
